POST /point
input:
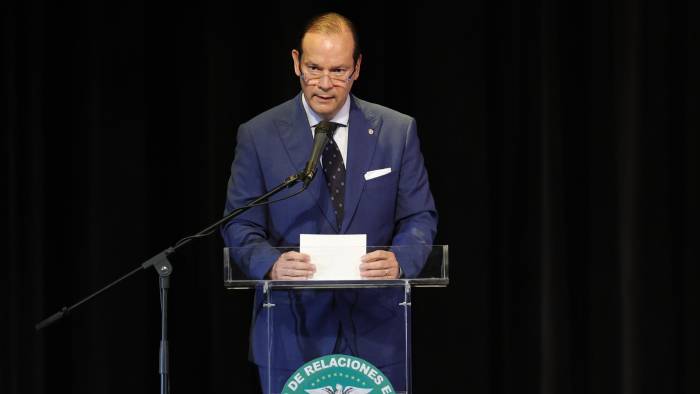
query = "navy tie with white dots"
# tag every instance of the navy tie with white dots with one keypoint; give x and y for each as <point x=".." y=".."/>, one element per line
<point x="334" y="170"/>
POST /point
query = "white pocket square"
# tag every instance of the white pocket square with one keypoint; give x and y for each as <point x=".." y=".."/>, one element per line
<point x="377" y="173"/>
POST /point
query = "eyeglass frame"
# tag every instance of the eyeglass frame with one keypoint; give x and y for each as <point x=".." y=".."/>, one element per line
<point x="316" y="80"/>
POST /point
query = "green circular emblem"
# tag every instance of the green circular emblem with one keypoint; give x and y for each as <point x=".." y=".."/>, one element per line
<point x="338" y="374"/>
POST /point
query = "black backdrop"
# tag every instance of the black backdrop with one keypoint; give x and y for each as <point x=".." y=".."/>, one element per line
<point x="560" y="138"/>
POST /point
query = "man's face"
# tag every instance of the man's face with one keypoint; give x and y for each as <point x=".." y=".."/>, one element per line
<point x="327" y="70"/>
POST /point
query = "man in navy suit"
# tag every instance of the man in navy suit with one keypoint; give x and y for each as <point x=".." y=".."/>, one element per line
<point x="386" y="196"/>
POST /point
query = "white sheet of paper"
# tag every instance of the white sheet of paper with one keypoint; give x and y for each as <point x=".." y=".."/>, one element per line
<point x="336" y="256"/>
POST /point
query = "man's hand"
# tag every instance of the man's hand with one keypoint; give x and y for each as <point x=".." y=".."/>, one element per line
<point x="380" y="264"/>
<point x="292" y="266"/>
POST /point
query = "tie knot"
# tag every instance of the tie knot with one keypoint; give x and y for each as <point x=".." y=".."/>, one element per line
<point x="327" y="127"/>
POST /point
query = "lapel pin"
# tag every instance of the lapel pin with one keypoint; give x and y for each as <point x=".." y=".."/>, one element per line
<point x="370" y="131"/>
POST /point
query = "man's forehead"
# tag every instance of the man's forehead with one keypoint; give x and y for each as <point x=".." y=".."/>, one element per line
<point x="325" y="62"/>
<point x="339" y="42"/>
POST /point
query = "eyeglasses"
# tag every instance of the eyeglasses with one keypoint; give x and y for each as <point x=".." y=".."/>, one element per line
<point x="338" y="76"/>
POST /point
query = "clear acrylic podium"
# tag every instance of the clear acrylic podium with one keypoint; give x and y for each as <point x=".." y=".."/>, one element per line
<point x="296" y="322"/>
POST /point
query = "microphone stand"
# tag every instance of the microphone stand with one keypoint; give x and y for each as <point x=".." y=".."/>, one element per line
<point x="164" y="269"/>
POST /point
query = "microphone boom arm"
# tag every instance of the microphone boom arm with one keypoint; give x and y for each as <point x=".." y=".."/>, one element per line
<point x="164" y="269"/>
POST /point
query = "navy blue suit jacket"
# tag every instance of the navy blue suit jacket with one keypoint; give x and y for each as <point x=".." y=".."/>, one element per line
<point x="393" y="210"/>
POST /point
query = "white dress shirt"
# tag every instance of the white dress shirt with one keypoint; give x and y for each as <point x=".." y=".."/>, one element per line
<point x="341" y="133"/>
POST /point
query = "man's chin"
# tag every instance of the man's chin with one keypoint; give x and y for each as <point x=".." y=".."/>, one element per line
<point x="323" y="109"/>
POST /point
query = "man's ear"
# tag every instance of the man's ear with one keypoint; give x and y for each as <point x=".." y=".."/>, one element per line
<point x="297" y="64"/>
<point x="356" y="74"/>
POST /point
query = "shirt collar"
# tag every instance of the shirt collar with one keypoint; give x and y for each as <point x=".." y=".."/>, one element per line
<point x="342" y="117"/>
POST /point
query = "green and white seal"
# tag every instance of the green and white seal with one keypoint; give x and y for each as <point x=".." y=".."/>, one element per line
<point x="338" y="374"/>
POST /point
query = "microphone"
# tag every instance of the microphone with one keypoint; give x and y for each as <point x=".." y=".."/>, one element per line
<point x="323" y="132"/>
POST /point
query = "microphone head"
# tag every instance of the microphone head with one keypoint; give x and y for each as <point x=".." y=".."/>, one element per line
<point x="322" y="133"/>
<point x="326" y="127"/>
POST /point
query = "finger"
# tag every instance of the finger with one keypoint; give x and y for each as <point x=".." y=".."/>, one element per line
<point x="296" y="256"/>
<point x="294" y="274"/>
<point x="297" y="265"/>
<point x="373" y="273"/>
<point x="377" y="274"/>
<point x="374" y="265"/>
<point x="293" y="277"/>
<point x="376" y="255"/>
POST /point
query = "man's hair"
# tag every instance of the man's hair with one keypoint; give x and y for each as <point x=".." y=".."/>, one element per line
<point x="331" y="23"/>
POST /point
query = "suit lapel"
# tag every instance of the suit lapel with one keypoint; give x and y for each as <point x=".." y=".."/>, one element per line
<point x="361" y="146"/>
<point x="298" y="142"/>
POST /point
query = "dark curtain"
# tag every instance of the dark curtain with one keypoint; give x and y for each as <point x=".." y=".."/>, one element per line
<point x="561" y="139"/>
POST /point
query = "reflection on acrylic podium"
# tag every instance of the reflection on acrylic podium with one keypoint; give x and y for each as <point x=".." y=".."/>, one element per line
<point x="335" y="336"/>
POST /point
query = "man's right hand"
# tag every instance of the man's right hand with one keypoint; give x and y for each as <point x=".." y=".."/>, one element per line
<point x="292" y="266"/>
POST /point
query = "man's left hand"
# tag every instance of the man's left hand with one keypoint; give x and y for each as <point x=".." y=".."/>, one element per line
<point x="380" y="264"/>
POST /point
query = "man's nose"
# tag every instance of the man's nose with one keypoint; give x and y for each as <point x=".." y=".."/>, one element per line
<point x="325" y="82"/>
